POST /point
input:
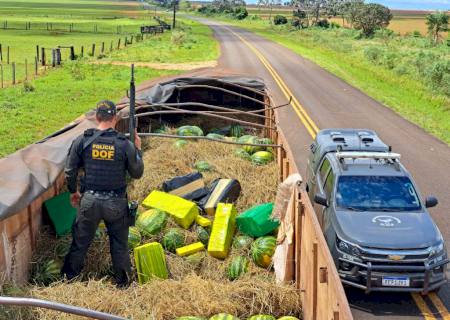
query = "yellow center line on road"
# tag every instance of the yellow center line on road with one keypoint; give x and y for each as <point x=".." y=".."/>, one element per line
<point x="422" y="305"/>
<point x="309" y="124"/>
<point x="440" y="306"/>
<point x="312" y="130"/>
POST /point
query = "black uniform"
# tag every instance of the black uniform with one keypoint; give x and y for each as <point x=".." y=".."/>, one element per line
<point x="105" y="160"/>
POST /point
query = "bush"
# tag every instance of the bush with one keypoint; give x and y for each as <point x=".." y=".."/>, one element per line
<point x="178" y="37"/>
<point x="254" y="17"/>
<point x="335" y="25"/>
<point x="297" y="23"/>
<point x="279" y="19"/>
<point x="437" y="72"/>
<point x="323" y="23"/>
<point x="390" y="60"/>
<point x="417" y="34"/>
<point x="373" y="54"/>
<point x="240" y="13"/>
<point x="28" y="86"/>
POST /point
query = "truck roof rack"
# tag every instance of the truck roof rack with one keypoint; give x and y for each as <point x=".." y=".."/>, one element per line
<point x="388" y="157"/>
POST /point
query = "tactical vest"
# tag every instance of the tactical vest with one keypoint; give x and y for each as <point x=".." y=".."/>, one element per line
<point x="105" y="162"/>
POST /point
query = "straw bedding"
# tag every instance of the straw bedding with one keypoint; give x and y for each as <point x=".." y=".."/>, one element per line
<point x="200" y="288"/>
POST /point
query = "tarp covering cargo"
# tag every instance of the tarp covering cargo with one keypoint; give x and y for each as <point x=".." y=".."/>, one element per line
<point x="27" y="173"/>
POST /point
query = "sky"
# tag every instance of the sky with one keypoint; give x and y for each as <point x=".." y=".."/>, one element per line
<point x="406" y="4"/>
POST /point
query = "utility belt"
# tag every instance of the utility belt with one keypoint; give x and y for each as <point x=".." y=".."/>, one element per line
<point x="132" y="205"/>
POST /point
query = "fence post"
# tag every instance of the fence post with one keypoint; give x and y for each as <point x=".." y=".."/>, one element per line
<point x="1" y="53"/>
<point x="13" y="66"/>
<point x="43" y="56"/>
<point x="118" y="44"/>
<point x="111" y="47"/>
<point x="7" y="55"/>
<point x="72" y="53"/>
<point x="126" y="41"/>
<point x="58" y="56"/>
<point x="82" y="51"/>
<point x="1" y="71"/>
<point x="26" y="70"/>
<point x="53" y="58"/>
<point x="93" y="49"/>
<point x="47" y="26"/>
<point x="131" y="40"/>
<point x="37" y="52"/>
<point x="36" y="62"/>
<point x="103" y="46"/>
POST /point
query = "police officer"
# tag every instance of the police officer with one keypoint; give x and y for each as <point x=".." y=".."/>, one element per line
<point x="106" y="156"/>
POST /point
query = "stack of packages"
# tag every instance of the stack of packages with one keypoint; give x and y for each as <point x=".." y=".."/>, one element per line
<point x="188" y="201"/>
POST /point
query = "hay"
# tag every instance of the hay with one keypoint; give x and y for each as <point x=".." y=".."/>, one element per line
<point x="169" y="299"/>
<point x="200" y="287"/>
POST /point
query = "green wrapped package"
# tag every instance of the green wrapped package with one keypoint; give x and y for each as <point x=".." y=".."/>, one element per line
<point x="256" y="221"/>
<point x="222" y="230"/>
<point x="61" y="213"/>
<point x="150" y="262"/>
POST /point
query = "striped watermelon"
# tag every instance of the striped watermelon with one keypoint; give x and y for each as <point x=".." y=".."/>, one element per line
<point x="236" y="130"/>
<point x="252" y="149"/>
<point x="134" y="237"/>
<point x="288" y="318"/>
<point x="223" y="316"/>
<point x="48" y="271"/>
<point x="266" y="141"/>
<point x="190" y="318"/>
<point x="262" y="317"/>
<point x="190" y="131"/>
<point x="173" y="239"/>
<point x="151" y="222"/>
<point x="202" y="166"/>
<point x="262" y="157"/>
<point x="262" y="251"/>
<point x="242" y="242"/>
<point x="62" y="249"/>
<point x="215" y="136"/>
<point x="241" y="153"/>
<point x="180" y="143"/>
<point x="237" y="267"/>
<point x="202" y="235"/>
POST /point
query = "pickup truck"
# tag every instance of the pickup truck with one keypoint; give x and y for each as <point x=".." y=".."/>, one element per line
<point x="376" y="225"/>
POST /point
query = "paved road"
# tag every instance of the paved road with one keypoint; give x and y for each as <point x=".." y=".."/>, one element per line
<point x="331" y="102"/>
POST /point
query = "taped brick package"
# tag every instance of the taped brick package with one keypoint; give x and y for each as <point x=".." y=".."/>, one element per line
<point x="222" y="190"/>
<point x="183" y="211"/>
<point x="222" y="231"/>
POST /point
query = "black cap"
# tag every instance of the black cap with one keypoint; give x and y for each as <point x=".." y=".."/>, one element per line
<point x="106" y="107"/>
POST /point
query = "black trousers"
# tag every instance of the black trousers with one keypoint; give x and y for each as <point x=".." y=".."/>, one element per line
<point x="114" y="212"/>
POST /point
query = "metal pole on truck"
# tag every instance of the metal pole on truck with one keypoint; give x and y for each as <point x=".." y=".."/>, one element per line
<point x="132" y="119"/>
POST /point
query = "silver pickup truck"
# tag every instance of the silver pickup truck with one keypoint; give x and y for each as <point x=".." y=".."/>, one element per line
<point x="378" y="229"/>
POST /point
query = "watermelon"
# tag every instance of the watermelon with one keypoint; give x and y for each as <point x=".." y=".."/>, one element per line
<point x="244" y="139"/>
<point x="241" y="153"/>
<point x="173" y="239"/>
<point x="134" y="237"/>
<point x="189" y="131"/>
<point x="180" y="143"/>
<point x="262" y="317"/>
<point x="190" y="318"/>
<point x="215" y="136"/>
<point x="236" y="130"/>
<point x="266" y="141"/>
<point x="151" y="222"/>
<point x="62" y="249"/>
<point x="251" y="149"/>
<point x="288" y="318"/>
<point x="202" y="166"/>
<point x="262" y="251"/>
<point x="242" y="242"/>
<point x="237" y="267"/>
<point x="262" y="157"/>
<point x="223" y="316"/>
<point x="48" y="271"/>
<point x="163" y="130"/>
<point x="202" y="235"/>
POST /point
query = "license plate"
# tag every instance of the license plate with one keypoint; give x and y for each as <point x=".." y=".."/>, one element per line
<point x="395" y="281"/>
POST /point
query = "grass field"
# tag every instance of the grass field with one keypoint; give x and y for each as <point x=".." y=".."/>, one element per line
<point x="404" y="73"/>
<point x="29" y="113"/>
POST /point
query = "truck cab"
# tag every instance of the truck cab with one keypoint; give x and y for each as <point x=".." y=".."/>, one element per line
<point x="376" y="225"/>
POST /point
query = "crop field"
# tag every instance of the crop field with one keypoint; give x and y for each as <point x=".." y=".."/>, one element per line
<point x="404" y="21"/>
<point x="35" y="108"/>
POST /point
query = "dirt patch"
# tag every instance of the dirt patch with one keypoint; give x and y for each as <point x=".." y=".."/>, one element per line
<point x="164" y="66"/>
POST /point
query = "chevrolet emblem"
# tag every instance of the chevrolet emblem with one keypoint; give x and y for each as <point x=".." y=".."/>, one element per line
<point x="395" y="257"/>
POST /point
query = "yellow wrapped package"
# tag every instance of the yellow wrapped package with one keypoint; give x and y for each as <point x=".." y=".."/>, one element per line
<point x="183" y="211"/>
<point x="190" y="249"/>
<point x="150" y="262"/>
<point x="222" y="230"/>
